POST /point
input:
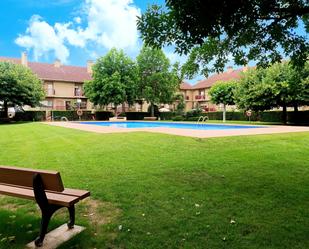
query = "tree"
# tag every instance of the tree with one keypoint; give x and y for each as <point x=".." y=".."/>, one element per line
<point x="214" y="31"/>
<point x="157" y="81"/>
<point x="223" y="93"/>
<point x="114" y="80"/>
<point x="280" y="85"/>
<point x="19" y="86"/>
<point x="181" y="105"/>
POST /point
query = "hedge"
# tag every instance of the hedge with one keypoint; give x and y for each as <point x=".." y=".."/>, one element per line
<point x="72" y="115"/>
<point x="136" y="115"/>
<point x="103" y="115"/>
<point x="30" y="116"/>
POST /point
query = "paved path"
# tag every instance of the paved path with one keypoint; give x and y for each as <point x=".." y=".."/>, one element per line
<point x="184" y="132"/>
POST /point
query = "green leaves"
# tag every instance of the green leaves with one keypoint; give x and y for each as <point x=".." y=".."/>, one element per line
<point x="213" y="32"/>
<point x="19" y="85"/>
<point x="157" y="80"/>
<point x="223" y="93"/>
<point x="279" y="85"/>
<point x="114" y="80"/>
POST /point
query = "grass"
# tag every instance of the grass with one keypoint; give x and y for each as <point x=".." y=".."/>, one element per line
<point x="161" y="191"/>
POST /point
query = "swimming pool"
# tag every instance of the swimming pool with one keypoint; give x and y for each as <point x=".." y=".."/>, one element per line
<point x="192" y="126"/>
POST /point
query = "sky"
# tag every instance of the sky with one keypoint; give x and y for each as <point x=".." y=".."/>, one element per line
<point x="73" y="31"/>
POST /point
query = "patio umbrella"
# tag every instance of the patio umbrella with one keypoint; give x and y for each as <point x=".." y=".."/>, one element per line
<point x="164" y="109"/>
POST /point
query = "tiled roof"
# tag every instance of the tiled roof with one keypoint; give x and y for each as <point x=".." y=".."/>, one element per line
<point x="47" y="71"/>
<point x="185" y="86"/>
<point x="225" y="76"/>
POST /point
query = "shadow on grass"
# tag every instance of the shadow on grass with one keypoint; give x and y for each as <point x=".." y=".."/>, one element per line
<point x="20" y="223"/>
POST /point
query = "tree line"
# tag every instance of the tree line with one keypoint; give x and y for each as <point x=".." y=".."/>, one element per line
<point x="278" y="86"/>
<point x="118" y="79"/>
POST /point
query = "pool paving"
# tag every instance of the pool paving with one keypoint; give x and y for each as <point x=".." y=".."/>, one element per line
<point x="273" y="129"/>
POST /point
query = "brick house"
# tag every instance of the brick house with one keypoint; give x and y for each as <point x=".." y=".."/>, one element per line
<point x="63" y="84"/>
<point x="196" y="96"/>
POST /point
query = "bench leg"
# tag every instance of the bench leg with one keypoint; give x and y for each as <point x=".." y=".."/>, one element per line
<point x="46" y="216"/>
<point x="72" y="217"/>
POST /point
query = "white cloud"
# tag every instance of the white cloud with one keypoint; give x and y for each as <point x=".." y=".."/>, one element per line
<point x="109" y="23"/>
<point x="41" y="37"/>
<point x="78" y="20"/>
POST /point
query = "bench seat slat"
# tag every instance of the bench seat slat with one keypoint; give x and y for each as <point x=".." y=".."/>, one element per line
<point x="81" y="194"/>
<point x="27" y="193"/>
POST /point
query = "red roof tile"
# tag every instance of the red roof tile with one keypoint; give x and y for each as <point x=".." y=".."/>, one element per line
<point x="47" y="71"/>
<point x="185" y="86"/>
<point x="225" y="76"/>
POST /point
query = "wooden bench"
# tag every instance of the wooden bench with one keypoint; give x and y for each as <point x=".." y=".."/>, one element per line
<point x="46" y="188"/>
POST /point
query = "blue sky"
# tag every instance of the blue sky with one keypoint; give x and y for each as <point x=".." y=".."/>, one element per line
<point x="74" y="31"/>
<point x="71" y="30"/>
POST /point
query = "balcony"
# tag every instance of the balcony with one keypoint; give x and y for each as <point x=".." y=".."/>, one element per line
<point x="200" y="97"/>
<point x="50" y="92"/>
<point x="78" y="93"/>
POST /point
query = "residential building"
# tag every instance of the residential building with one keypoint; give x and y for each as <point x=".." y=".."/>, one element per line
<point x="63" y="84"/>
<point x="196" y="96"/>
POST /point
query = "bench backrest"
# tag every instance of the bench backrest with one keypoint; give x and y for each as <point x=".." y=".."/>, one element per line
<point x="24" y="177"/>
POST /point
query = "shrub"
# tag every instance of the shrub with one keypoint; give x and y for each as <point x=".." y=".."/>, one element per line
<point x="137" y="115"/>
<point x="30" y="116"/>
<point x="178" y="118"/>
<point x="166" y="115"/>
<point x="193" y="113"/>
<point x="103" y="115"/>
<point x="72" y="115"/>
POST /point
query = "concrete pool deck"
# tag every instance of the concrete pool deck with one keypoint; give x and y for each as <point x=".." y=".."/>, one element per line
<point x="184" y="132"/>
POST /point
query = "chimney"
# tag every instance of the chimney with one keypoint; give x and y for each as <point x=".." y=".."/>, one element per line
<point x="229" y="69"/>
<point x="57" y="63"/>
<point x="24" y="59"/>
<point x="89" y="66"/>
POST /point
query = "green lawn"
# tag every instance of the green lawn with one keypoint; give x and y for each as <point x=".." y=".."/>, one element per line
<point x="166" y="191"/>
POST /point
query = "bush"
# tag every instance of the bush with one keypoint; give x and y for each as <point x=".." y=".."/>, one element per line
<point x="30" y="116"/>
<point x="166" y="115"/>
<point x="193" y="113"/>
<point x="178" y="118"/>
<point x="103" y="115"/>
<point x="72" y="115"/>
<point x="137" y="115"/>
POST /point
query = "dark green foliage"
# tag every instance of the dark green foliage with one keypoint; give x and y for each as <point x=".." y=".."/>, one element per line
<point x="114" y="80"/>
<point x="213" y="31"/>
<point x="178" y="118"/>
<point x="137" y="115"/>
<point x="19" y="86"/>
<point x="166" y="115"/>
<point x="158" y="81"/>
<point x="72" y="115"/>
<point x="30" y="116"/>
<point x="193" y="113"/>
<point x="103" y="115"/>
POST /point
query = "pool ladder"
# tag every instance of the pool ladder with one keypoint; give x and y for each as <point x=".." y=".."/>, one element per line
<point x="202" y="119"/>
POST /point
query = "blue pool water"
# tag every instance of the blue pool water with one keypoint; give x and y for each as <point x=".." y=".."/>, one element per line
<point x="132" y="124"/>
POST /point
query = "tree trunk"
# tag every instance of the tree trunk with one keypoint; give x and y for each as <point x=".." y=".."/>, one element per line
<point x="284" y="114"/>
<point x="295" y="108"/>
<point x="6" y="109"/>
<point x="152" y="110"/>
<point x="224" y="112"/>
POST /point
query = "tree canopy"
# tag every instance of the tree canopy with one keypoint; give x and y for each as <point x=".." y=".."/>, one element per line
<point x="216" y="31"/>
<point x="223" y="93"/>
<point x="280" y="85"/>
<point x="19" y="86"/>
<point x="158" y="81"/>
<point x="114" y="80"/>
